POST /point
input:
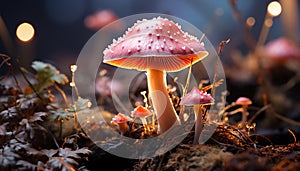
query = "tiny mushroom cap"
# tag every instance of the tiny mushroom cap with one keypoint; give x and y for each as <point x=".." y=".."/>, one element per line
<point x="120" y="118"/>
<point x="156" y="43"/>
<point x="141" y="112"/>
<point x="243" y="101"/>
<point x="196" y="96"/>
<point x="282" y="49"/>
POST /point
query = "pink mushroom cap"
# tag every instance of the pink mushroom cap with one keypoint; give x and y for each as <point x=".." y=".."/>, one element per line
<point x="100" y="19"/>
<point x="196" y="96"/>
<point x="282" y="49"/>
<point x="141" y="112"/>
<point x="243" y="101"/>
<point x="120" y="118"/>
<point x="156" y="43"/>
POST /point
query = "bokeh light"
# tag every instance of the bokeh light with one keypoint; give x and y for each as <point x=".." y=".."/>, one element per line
<point x="274" y="9"/>
<point x="250" y="21"/>
<point x="25" y="32"/>
<point x="268" y="22"/>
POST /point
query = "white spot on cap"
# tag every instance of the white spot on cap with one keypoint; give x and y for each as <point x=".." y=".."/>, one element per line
<point x="183" y="47"/>
<point x="171" y="48"/>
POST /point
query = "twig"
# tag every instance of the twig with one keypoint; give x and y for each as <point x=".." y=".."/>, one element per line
<point x="228" y="145"/>
<point x="257" y="113"/>
<point x="221" y="45"/>
<point x="181" y="110"/>
<point x="6" y="60"/>
<point x="294" y="136"/>
<point x="62" y="93"/>
<point x="285" y="119"/>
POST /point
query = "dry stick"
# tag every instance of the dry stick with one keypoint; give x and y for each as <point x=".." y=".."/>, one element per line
<point x="248" y="36"/>
<point x="228" y="145"/>
<point x="62" y="93"/>
<point x="185" y="90"/>
<point x="285" y="119"/>
<point x="257" y="113"/>
<point x="213" y="88"/>
<point x="6" y="59"/>
<point x="294" y="136"/>
<point x="221" y="45"/>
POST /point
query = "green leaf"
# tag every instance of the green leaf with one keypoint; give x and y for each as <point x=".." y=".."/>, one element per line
<point x="60" y="115"/>
<point x="47" y="75"/>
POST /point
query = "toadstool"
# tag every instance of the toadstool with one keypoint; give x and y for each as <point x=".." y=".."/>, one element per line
<point x="244" y="102"/>
<point x="197" y="99"/>
<point x="157" y="46"/>
<point x="121" y="120"/>
<point x="141" y="112"/>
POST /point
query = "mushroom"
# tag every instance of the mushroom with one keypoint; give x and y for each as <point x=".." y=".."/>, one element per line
<point x="121" y="120"/>
<point x="280" y="51"/>
<point x="100" y="19"/>
<point x="157" y="46"/>
<point x="245" y="102"/>
<point x="197" y="99"/>
<point x="141" y="112"/>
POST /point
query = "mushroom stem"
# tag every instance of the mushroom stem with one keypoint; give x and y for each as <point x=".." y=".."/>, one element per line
<point x="162" y="104"/>
<point x="122" y="127"/>
<point x="144" y="122"/>
<point x="198" y="124"/>
<point x="244" y="116"/>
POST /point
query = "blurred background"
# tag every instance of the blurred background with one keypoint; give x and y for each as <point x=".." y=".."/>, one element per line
<point x="62" y="26"/>
<point x="56" y="30"/>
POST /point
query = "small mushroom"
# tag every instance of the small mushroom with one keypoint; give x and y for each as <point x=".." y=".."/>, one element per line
<point x="244" y="102"/>
<point x="100" y="19"/>
<point x="142" y="113"/>
<point x="280" y="51"/>
<point x="197" y="99"/>
<point x="121" y="120"/>
<point x="152" y="46"/>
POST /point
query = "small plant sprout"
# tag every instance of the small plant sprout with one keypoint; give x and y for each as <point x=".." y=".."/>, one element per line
<point x="244" y="102"/>
<point x="121" y="120"/>
<point x="73" y="69"/>
<point x="197" y="99"/>
<point x="142" y="113"/>
<point x="157" y="46"/>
